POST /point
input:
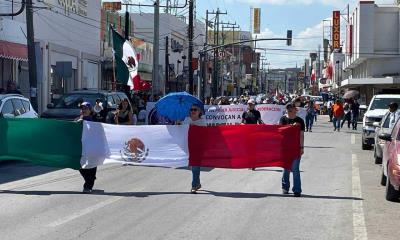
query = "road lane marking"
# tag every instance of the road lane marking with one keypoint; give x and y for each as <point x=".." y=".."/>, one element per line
<point x="87" y="211"/>
<point x="359" y="228"/>
<point x="353" y="138"/>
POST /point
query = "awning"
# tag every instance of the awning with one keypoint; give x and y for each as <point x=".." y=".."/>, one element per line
<point x="13" y="51"/>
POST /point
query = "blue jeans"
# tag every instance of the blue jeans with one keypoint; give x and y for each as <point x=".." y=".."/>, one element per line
<point x="309" y="121"/>
<point x="296" y="177"/>
<point x="196" y="176"/>
<point x="336" y="122"/>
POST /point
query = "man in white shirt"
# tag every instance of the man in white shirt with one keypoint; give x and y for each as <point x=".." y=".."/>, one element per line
<point x="394" y="114"/>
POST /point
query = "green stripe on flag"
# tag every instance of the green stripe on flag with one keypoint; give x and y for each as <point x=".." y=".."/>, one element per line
<point x="41" y="141"/>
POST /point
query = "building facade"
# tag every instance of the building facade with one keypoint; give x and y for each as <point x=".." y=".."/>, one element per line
<point x="67" y="39"/>
<point x="372" y="56"/>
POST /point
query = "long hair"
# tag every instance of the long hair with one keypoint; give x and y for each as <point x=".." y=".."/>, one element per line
<point x="128" y="108"/>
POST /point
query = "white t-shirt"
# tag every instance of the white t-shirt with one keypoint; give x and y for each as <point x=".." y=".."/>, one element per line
<point x="200" y="122"/>
<point x="394" y="116"/>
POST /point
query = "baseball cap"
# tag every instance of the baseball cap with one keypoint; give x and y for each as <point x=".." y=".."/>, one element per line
<point x="251" y="101"/>
<point x="86" y="104"/>
<point x="289" y="106"/>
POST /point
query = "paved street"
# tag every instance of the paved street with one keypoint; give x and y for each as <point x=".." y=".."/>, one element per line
<point x="342" y="199"/>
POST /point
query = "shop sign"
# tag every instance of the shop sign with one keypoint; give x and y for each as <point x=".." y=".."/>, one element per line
<point x="336" y="30"/>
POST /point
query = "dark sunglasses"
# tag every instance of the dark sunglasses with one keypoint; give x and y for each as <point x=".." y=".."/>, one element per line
<point x="194" y="110"/>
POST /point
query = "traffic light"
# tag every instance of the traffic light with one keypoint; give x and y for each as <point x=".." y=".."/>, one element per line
<point x="289" y="38"/>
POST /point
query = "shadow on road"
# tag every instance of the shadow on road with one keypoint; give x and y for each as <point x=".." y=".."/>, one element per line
<point x="200" y="192"/>
<point x="14" y="170"/>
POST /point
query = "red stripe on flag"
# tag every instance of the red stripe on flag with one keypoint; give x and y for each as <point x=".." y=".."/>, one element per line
<point x="244" y="146"/>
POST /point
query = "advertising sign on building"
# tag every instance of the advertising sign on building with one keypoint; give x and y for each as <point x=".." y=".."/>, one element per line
<point x="256" y="20"/>
<point x="336" y="30"/>
<point x="349" y="40"/>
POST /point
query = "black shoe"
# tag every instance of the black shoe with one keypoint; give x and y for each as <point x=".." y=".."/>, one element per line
<point x="297" y="194"/>
<point x="284" y="191"/>
<point x="87" y="190"/>
<point x="310" y="130"/>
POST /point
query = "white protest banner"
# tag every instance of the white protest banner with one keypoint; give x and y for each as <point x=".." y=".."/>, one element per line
<point x="232" y="114"/>
<point x="228" y="114"/>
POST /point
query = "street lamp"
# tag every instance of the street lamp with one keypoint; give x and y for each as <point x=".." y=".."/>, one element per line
<point x="337" y="77"/>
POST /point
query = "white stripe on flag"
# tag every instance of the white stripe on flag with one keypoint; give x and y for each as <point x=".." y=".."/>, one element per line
<point x="139" y="145"/>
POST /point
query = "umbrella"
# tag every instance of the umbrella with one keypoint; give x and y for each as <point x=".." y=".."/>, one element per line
<point x="176" y="106"/>
<point x="351" y="94"/>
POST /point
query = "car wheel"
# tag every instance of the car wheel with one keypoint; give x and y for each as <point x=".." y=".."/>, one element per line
<point x="391" y="193"/>
<point x="383" y="179"/>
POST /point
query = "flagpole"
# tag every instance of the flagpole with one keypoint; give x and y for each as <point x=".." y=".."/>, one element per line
<point x="114" y="83"/>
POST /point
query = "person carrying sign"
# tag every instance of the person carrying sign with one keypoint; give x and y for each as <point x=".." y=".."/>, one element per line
<point x="251" y="116"/>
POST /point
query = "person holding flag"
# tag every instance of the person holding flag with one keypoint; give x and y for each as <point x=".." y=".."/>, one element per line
<point x="195" y="119"/>
<point x="292" y="119"/>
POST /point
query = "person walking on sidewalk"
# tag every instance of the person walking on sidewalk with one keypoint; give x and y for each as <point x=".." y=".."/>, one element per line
<point x="88" y="174"/>
<point x="195" y="119"/>
<point x="338" y="113"/>
<point x="355" y="113"/>
<point x="292" y="119"/>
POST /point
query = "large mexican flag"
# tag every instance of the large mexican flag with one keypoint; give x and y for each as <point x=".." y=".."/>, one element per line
<point x="89" y="144"/>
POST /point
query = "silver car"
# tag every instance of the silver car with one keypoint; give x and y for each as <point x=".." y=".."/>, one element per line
<point x="16" y="106"/>
<point x="381" y="127"/>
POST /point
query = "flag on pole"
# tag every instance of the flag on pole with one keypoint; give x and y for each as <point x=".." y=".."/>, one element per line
<point x="127" y="64"/>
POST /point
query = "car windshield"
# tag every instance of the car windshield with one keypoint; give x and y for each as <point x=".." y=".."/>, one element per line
<point x="72" y="101"/>
<point x="383" y="103"/>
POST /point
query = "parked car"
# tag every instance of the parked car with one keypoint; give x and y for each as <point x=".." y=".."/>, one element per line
<point x="376" y="110"/>
<point x="391" y="163"/>
<point x="16" y="106"/>
<point x="67" y="107"/>
<point x="381" y="127"/>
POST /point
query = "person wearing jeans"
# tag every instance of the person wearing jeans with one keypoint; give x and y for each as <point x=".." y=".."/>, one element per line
<point x="195" y="118"/>
<point x="338" y="113"/>
<point x="296" y="178"/>
<point x="292" y="119"/>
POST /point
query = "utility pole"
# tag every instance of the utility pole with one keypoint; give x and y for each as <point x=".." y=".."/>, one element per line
<point x="166" y="62"/>
<point x="156" y="50"/>
<point x="216" y="43"/>
<point x="31" y="54"/>
<point x="190" y="50"/>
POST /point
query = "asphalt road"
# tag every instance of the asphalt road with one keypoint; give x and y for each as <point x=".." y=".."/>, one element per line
<point x="342" y="199"/>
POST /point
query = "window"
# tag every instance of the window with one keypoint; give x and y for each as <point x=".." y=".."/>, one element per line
<point x="382" y="103"/>
<point x="387" y="121"/>
<point x="110" y="102"/>
<point x="8" y="110"/>
<point x="73" y="100"/>
<point x="27" y="105"/>
<point x="18" y="106"/>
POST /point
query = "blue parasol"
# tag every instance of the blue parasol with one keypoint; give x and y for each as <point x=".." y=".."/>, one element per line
<point x="176" y="106"/>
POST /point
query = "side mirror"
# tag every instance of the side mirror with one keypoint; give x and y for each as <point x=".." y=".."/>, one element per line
<point x="376" y="124"/>
<point x="385" y="137"/>
<point x="50" y="105"/>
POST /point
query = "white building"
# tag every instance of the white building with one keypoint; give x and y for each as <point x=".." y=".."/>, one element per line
<point x="176" y="30"/>
<point x="372" y="62"/>
<point x="67" y="31"/>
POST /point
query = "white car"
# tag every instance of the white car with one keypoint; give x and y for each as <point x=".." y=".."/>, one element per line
<point x="377" y="108"/>
<point x="16" y="106"/>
